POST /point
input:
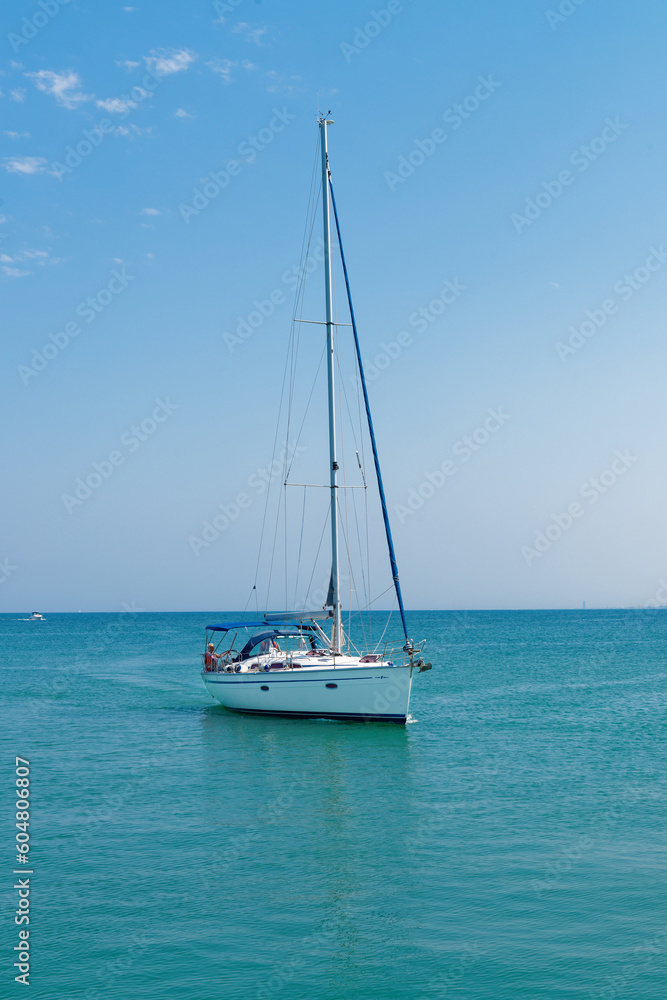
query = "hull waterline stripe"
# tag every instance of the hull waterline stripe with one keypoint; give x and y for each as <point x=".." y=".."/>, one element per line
<point x="349" y="716"/>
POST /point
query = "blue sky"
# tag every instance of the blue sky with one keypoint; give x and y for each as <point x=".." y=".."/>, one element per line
<point x="515" y="151"/>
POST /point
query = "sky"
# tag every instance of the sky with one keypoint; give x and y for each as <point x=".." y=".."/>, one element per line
<point x="499" y="173"/>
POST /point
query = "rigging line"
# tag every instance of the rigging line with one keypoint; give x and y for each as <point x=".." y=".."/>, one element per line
<point x="299" y="291"/>
<point x="268" y="485"/>
<point x="308" y="222"/>
<point x="347" y="406"/>
<point x="345" y="526"/>
<point x="295" y="338"/>
<point x="249" y="599"/>
<point x="375" y="599"/>
<point x="353" y="582"/>
<point x="312" y="390"/>
<point x="285" y="530"/>
<point x="273" y="551"/>
<point x="379" y="642"/>
<point x="367" y="534"/>
<point x="282" y="391"/>
<point x="344" y="394"/>
<point x="368" y="564"/>
<point x="311" y="210"/>
<point x="298" y="560"/>
<point x="385" y="513"/>
<point x="361" y="551"/>
<point x="324" y="528"/>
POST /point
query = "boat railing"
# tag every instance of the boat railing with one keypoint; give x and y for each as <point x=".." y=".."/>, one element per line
<point x="397" y="655"/>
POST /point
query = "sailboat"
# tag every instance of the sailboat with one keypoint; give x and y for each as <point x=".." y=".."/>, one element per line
<point x="301" y="663"/>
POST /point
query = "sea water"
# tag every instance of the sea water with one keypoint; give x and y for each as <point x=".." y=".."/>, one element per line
<point x="508" y="843"/>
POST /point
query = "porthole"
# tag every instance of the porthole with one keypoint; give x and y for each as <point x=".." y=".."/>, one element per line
<point x="265" y="687"/>
<point x="332" y="685"/>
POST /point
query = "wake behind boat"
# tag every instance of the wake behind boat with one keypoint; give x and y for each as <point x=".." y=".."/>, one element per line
<point x="301" y="663"/>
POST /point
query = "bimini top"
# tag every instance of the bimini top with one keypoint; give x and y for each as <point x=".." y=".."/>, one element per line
<point x="228" y="628"/>
<point x="272" y="624"/>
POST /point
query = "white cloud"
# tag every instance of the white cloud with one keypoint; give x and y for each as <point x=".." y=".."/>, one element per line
<point x="17" y="135"/>
<point x="133" y="130"/>
<point x="18" y="94"/>
<point x="167" y="61"/>
<point x="41" y="257"/>
<point x="223" y="67"/>
<point x="128" y="64"/>
<point x="64" y="87"/>
<point x="24" y="164"/>
<point x="181" y="113"/>
<point x="150" y="211"/>
<point x="279" y="83"/>
<point x="115" y="105"/>
<point x="252" y="33"/>
<point x="14" y="272"/>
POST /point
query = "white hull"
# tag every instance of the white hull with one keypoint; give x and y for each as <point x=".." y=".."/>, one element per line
<point x="364" y="692"/>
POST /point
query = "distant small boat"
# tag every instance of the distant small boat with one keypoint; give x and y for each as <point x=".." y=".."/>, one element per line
<point x="36" y="617"/>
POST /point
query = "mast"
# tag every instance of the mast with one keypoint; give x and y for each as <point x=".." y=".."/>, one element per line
<point x="334" y="586"/>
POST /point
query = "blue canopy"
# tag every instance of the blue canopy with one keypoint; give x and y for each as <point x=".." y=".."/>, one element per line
<point x="228" y="628"/>
<point x="271" y="624"/>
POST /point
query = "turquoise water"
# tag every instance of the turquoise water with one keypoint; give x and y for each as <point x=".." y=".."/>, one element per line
<point x="508" y="843"/>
